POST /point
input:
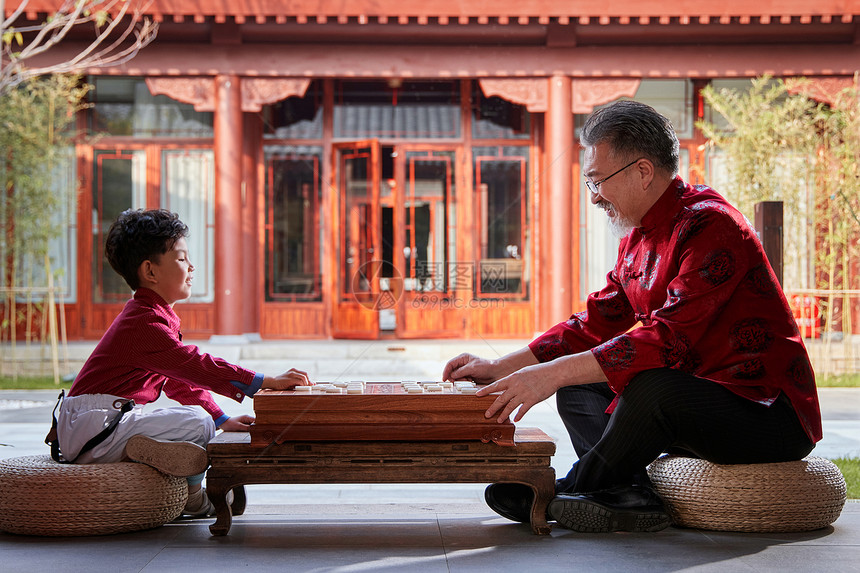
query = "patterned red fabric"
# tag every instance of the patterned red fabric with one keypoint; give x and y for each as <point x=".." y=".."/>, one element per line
<point x="696" y="277"/>
<point x="142" y="355"/>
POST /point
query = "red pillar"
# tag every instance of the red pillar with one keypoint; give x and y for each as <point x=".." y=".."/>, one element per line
<point x="228" y="206"/>
<point x="252" y="227"/>
<point x="558" y="235"/>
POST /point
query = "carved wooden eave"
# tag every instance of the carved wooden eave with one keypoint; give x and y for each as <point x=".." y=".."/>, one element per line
<point x="529" y="92"/>
<point x="586" y="93"/>
<point x="257" y="92"/>
<point x="831" y="91"/>
<point x="200" y="91"/>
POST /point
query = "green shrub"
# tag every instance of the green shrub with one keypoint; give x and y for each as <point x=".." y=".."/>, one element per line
<point x="850" y="468"/>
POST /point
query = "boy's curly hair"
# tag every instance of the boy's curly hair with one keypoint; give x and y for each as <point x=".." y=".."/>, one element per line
<point x="139" y="235"/>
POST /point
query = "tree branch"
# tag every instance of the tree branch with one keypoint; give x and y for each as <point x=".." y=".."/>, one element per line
<point x="121" y="32"/>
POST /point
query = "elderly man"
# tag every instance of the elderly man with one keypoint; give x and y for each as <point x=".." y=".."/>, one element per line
<point x="690" y="347"/>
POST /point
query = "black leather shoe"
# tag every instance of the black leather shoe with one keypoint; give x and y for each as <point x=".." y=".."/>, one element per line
<point x="623" y="508"/>
<point x="510" y="500"/>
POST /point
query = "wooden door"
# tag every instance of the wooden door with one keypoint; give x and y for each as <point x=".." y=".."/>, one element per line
<point x="356" y="235"/>
<point x="432" y="304"/>
<point x="117" y="180"/>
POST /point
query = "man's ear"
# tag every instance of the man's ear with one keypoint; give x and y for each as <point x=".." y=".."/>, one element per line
<point x="645" y="169"/>
<point x="146" y="273"/>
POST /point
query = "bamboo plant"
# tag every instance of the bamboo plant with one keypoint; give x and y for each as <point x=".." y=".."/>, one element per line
<point x="35" y="138"/>
<point x="780" y="145"/>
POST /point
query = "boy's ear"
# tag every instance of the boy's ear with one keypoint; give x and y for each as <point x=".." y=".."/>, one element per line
<point x="146" y="273"/>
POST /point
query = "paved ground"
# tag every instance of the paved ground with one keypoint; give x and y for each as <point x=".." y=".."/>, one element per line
<point x="441" y="527"/>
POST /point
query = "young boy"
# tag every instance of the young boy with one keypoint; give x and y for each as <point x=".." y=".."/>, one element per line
<point x="141" y="355"/>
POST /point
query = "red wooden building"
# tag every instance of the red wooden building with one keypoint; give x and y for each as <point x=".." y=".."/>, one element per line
<point x="405" y="169"/>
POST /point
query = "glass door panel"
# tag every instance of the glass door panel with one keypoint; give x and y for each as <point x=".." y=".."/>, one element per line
<point x="429" y="220"/>
<point x="62" y="248"/>
<point x="500" y="185"/>
<point x="427" y="243"/>
<point x="359" y="297"/>
<point x="119" y="184"/>
<point x="360" y="228"/>
<point x="188" y="189"/>
<point x="293" y="223"/>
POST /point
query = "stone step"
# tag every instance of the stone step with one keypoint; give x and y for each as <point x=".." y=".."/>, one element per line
<point x="380" y="360"/>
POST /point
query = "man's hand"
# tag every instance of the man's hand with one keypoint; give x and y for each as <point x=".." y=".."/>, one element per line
<point x="237" y="423"/>
<point x="532" y="384"/>
<point x="522" y="389"/>
<point x="470" y="367"/>
<point x="484" y="371"/>
<point x="289" y="379"/>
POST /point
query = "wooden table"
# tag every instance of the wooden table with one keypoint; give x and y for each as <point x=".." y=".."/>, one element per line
<point x="236" y="462"/>
<point x="379" y="411"/>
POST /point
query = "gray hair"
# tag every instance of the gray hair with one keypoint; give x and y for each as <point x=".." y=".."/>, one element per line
<point x="633" y="129"/>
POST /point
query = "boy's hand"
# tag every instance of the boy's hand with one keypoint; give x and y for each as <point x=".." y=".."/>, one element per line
<point x="289" y="379"/>
<point x="237" y="423"/>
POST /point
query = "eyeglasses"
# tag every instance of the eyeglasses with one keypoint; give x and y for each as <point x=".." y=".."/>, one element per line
<point x="593" y="185"/>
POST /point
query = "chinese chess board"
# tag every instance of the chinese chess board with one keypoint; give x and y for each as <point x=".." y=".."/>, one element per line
<point x="377" y="411"/>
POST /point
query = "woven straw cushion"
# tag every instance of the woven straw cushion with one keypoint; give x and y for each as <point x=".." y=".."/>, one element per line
<point x="38" y="496"/>
<point x="788" y="496"/>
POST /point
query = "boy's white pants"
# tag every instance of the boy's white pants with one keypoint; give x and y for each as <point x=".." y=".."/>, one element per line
<point x="82" y="417"/>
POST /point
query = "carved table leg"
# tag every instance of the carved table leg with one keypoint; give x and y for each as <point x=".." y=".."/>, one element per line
<point x="223" y="514"/>
<point x="240" y="500"/>
<point x="544" y="493"/>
